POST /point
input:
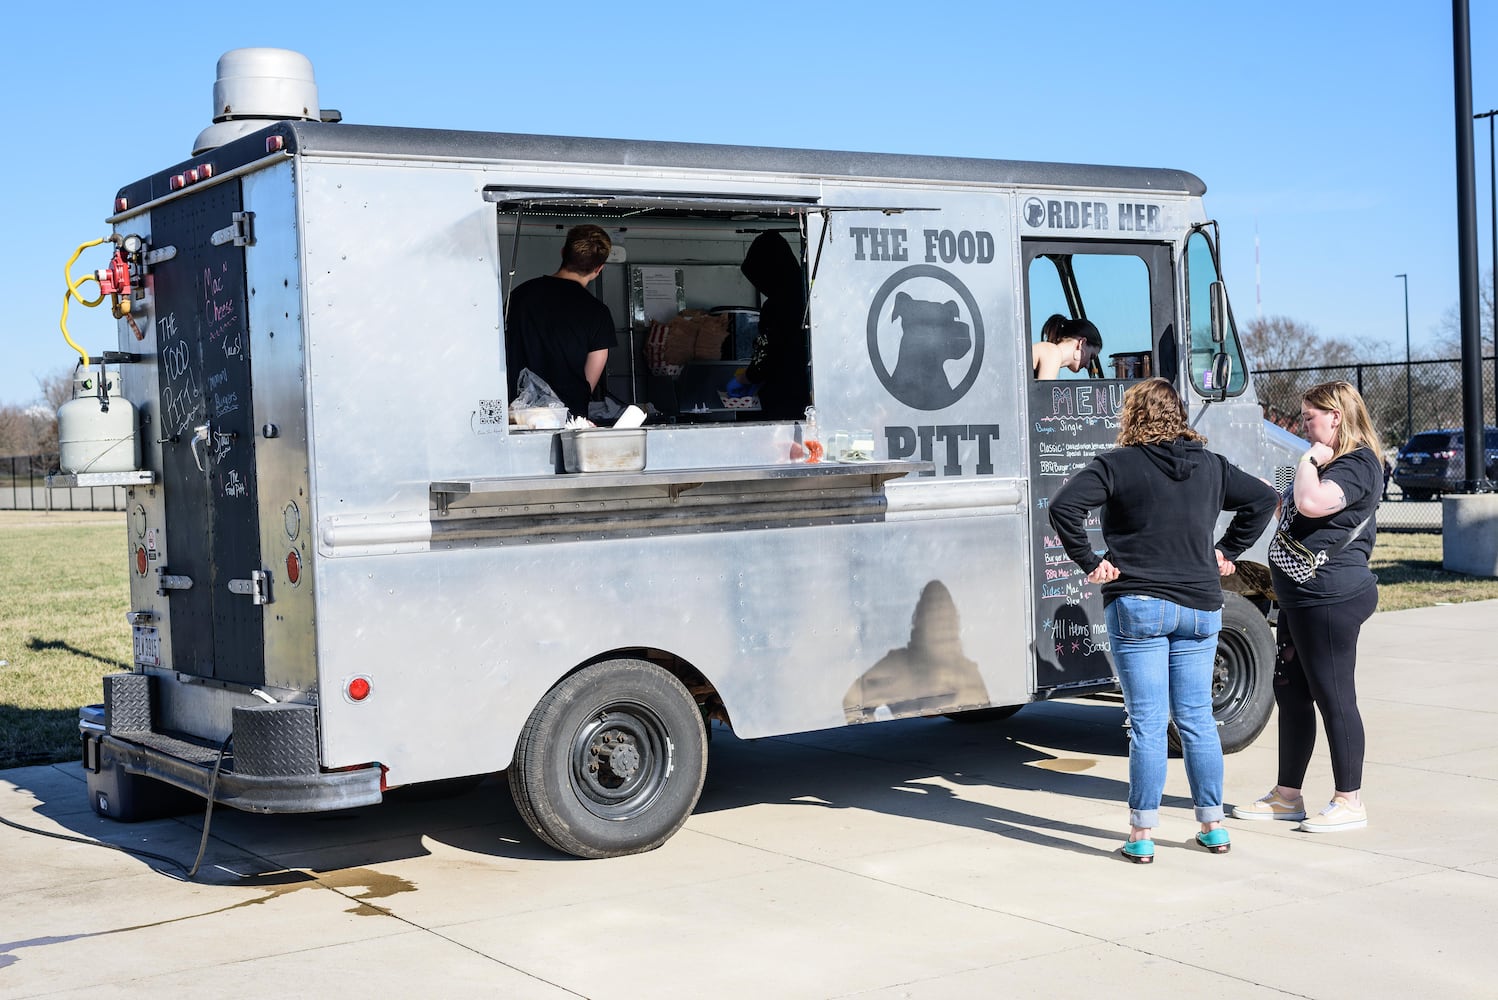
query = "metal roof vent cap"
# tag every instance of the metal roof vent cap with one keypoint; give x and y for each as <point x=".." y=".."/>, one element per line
<point x="254" y="88"/>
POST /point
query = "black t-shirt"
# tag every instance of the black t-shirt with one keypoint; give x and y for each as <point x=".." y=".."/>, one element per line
<point x="553" y="325"/>
<point x="1360" y="473"/>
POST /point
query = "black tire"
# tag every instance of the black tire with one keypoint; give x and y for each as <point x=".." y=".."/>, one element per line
<point x="980" y="715"/>
<point x="611" y="761"/>
<point x="1242" y="676"/>
<point x="1418" y="494"/>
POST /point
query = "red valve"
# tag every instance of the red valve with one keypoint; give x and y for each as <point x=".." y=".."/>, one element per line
<point x="115" y="279"/>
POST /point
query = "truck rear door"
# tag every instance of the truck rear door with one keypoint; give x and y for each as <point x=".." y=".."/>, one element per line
<point x="208" y="438"/>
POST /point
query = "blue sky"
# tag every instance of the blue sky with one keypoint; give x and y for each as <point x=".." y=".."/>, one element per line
<point x="1328" y="128"/>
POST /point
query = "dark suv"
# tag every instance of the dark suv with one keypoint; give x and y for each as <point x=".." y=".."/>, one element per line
<point x="1434" y="462"/>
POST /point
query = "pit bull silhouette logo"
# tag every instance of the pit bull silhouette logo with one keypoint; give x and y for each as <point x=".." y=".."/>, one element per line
<point x="933" y="335"/>
<point x="925" y="328"/>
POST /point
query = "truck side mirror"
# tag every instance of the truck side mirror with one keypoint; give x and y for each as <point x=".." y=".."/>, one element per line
<point x="1219" y="296"/>
<point x="1222" y="371"/>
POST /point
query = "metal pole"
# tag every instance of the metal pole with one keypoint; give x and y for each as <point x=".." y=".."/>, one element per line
<point x="1493" y="205"/>
<point x="1475" y="478"/>
<point x="1409" y="410"/>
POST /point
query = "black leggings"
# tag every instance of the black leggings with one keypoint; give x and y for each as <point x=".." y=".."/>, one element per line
<point x="1318" y="653"/>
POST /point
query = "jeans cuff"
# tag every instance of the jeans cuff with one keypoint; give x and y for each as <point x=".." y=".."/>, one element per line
<point x="1209" y="814"/>
<point x="1146" y="818"/>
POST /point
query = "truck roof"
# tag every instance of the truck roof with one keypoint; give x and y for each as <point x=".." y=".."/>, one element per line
<point x="319" y="138"/>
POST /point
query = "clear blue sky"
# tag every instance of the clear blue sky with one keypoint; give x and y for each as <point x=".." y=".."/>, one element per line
<point x="1329" y="128"/>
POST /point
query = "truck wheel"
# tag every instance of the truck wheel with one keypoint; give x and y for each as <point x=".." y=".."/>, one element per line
<point x="1242" y="676"/>
<point x="611" y="761"/>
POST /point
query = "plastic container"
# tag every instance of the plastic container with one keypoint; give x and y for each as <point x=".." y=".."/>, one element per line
<point x="603" y="449"/>
<point x="538" y="417"/>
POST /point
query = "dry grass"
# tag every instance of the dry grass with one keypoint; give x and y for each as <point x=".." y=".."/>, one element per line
<point x="1409" y="571"/>
<point x="64" y="594"/>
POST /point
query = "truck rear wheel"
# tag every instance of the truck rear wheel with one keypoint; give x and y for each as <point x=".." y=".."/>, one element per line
<point x="1242" y="676"/>
<point x="611" y="761"/>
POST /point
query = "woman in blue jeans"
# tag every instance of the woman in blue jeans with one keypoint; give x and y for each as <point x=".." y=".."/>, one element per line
<point x="1160" y="492"/>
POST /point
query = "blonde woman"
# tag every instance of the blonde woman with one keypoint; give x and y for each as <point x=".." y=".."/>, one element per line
<point x="1329" y="511"/>
<point x="1160" y="492"/>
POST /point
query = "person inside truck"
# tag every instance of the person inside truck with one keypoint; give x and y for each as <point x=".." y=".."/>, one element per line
<point x="778" y="367"/>
<point x="555" y="327"/>
<point x="1065" y="343"/>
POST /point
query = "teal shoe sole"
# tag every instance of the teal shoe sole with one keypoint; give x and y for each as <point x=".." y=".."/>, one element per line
<point x="1217" y="841"/>
<point x="1140" y="852"/>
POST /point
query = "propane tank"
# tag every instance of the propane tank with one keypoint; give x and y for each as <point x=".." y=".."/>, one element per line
<point x="96" y="429"/>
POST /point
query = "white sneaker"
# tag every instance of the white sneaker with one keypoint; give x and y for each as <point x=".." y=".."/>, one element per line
<point x="1272" y="806"/>
<point x="1338" y="815"/>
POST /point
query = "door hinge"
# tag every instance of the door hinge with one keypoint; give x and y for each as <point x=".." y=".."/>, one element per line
<point x="257" y="587"/>
<point x="240" y="231"/>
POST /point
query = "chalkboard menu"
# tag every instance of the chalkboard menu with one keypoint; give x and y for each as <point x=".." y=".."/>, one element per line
<point x="1070" y="423"/>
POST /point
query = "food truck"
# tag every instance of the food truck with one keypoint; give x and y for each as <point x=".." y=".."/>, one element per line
<point x="351" y="570"/>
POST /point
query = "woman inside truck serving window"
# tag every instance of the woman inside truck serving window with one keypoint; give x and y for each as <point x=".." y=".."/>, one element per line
<point x="1162" y="595"/>
<point x="1071" y="344"/>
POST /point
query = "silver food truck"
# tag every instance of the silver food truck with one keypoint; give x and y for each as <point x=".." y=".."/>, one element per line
<point x="351" y="571"/>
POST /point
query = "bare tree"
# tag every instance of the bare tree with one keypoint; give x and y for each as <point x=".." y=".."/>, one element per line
<point x="1449" y="333"/>
<point x="1276" y="343"/>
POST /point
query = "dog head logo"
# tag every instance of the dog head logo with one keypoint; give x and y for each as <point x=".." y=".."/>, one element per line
<point x="925" y="329"/>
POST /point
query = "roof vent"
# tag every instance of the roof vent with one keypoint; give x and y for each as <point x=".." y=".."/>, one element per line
<point x="254" y="88"/>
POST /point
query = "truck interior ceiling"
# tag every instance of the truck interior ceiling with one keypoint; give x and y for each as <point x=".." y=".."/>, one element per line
<point x="684" y="314"/>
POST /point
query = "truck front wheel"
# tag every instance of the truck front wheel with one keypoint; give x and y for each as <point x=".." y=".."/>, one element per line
<point x="1242" y="675"/>
<point x="611" y="761"/>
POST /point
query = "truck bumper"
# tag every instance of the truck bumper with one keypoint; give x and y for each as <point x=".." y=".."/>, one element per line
<point x="115" y="765"/>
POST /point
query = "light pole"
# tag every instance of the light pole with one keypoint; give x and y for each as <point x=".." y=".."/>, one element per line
<point x="1493" y="204"/>
<point x="1409" y="419"/>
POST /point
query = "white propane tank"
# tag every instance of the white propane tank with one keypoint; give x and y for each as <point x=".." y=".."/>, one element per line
<point x="93" y="437"/>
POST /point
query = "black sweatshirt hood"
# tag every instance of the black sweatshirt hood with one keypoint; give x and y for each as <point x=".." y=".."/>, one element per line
<point x="1177" y="459"/>
<point x="771" y="267"/>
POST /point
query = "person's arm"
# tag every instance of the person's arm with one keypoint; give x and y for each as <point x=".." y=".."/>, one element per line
<point x="1068" y="511"/>
<point x="1315" y="497"/>
<point x="1252" y="502"/>
<point x="593" y="367"/>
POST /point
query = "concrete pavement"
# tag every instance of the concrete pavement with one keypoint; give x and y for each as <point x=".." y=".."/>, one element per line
<point x="920" y="859"/>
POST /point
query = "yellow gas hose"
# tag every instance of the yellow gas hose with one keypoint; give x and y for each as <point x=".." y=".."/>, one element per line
<point x="73" y="292"/>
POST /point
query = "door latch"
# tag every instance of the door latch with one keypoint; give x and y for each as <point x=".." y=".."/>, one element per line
<point x="257" y="587"/>
<point x="240" y="231"/>
<point x="166" y="581"/>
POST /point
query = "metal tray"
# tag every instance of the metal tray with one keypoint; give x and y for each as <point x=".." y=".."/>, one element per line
<point x="603" y="449"/>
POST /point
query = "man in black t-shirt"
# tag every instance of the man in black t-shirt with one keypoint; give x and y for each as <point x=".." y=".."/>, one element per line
<point x="556" y="328"/>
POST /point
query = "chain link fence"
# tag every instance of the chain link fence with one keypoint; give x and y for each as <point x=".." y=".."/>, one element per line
<point x="1403" y="399"/>
<point x="23" y="486"/>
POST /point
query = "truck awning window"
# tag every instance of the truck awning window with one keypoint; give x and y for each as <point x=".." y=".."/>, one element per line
<point x="626" y="203"/>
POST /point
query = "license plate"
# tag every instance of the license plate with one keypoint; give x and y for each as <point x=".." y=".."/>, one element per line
<point x="147" y="646"/>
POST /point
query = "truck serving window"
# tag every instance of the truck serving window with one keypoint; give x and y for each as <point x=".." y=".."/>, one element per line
<point x="685" y="315"/>
<point x="1124" y="290"/>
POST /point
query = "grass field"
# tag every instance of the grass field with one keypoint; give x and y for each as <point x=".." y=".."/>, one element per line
<point x="64" y="594"/>
<point x="63" y="598"/>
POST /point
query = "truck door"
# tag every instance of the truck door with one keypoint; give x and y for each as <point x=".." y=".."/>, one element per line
<point x="208" y="439"/>
<point x="1127" y="290"/>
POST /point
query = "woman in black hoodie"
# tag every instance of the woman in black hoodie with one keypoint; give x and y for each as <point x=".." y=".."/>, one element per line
<point x="1160" y="492"/>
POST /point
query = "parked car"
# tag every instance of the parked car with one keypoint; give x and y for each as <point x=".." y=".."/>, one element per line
<point x="1435" y="462"/>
